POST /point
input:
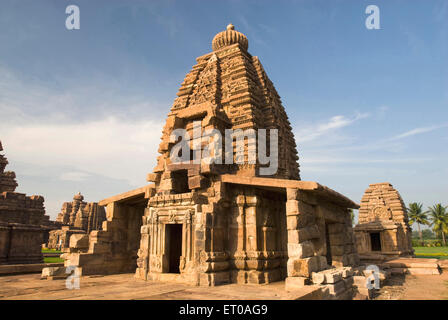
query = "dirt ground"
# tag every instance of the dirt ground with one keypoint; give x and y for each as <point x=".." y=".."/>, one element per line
<point x="415" y="287"/>
<point x="125" y="286"/>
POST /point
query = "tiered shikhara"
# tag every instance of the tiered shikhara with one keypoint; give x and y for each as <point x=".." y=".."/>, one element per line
<point x="76" y="217"/>
<point x="23" y="223"/>
<point x="227" y="89"/>
<point x="383" y="230"/>
<point x="220" y="223"/>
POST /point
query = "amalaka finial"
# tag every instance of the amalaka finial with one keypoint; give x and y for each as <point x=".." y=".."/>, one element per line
<point x="228" y="37"/>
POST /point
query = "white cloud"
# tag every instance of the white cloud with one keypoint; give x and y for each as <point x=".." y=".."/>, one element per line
<point x="74" y="176"/>
<point x="317" y="131"/>
<point x="354" y="160"/>
<point x="416" y="131"/>
<point x="110" y="147"/>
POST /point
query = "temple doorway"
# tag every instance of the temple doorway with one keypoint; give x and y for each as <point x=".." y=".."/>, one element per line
<point x="174" y="246"/>
<point x="375" y="241"/>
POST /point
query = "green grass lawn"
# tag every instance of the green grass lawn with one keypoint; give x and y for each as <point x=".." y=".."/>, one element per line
<point x="53" y="260"/>
<point x="431" y="252"/>
<point x="51" y="251"/>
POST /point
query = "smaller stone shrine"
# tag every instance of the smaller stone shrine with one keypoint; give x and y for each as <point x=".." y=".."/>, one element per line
<point x="383" y="231"/>
<point x="76" y="217"/>
<point x="23" y="223"/>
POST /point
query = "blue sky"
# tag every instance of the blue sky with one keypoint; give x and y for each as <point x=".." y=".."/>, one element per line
<point x="82" y="110"/>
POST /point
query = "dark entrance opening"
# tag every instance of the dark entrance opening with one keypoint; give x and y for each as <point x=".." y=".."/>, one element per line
<point x="180" y="181"/>
<point x="174" y="237"/>
<point x="375" y="240"/>
<point x="327" y="239"/>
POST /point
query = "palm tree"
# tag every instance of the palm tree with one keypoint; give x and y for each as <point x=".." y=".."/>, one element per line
<point x="439" y="217"/>
<point x="416" y="215"/>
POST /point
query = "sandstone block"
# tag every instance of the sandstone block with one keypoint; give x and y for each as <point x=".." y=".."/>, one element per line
<point x="348" y="282"/>
<point x="196" y="182"/>
<point x="335" y="288"/>
<point x="292" y="207"/>
<point x="336" y="228"/>
<point x="337" y="250"/>
<point x="305" y="208"/>
<point x="332" y="276"/>
<point x="318" y="277"/>
<point x="338" y="239"/>
<point x="353" y="259"/>
<point x="297" y="267"/>
<point x="301" y="250"/>
<point x="301" y="220"/>
<point x="340" y="261"/>
<point x="322" y="262"/>
<point x="347" y="272"/>
<point x="292" y="194"/>
<point x="153" y="177"/>
<point x="79" y="241"/>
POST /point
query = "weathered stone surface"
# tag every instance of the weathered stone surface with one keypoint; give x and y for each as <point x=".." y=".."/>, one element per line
<point x="76" y="217"/>
<point x="23" y="223"/>
<point x="213" y="223"/>
<point x="54" y="272"/>
<point x="302" y="267"/>
<point x="383" y="228"/>
<point x="79" y="241"/>
<point x="301" y="250"/>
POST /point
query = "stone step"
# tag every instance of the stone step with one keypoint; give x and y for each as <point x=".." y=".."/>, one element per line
<point x="412" y="263"/>
<point x="443" y="264"/>
<point x="421" y="271"/>
<point x="9" y="269"/>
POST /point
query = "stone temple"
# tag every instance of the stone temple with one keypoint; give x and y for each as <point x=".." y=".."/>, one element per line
<point x="383" y="231"/>
<point x="76" y="217"/>
<point x="23" y="223"/>
<point x="211" y="224"/>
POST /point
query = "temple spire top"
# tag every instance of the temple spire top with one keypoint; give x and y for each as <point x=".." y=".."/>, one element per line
<point x="228" y="37"/>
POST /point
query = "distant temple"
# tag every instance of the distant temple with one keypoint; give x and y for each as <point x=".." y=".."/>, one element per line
<point x="383" y="231"/>
<point x="23" y="223"/>
<point x="81" y="215"/>
<point x="76" y="217"/>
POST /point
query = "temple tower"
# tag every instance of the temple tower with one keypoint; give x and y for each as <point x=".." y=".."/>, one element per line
<point x="229" y="221"/>
<point x="23" y="223"/>
<point x="383" y="230"/>
<point x="227" y="89"/>
<point x="206" y="230"/>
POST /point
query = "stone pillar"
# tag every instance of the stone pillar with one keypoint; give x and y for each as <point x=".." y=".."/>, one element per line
<point x="143" y="252"/>
<point x="213" y="261"/>
<point x="302" y="228"/>
<point x="237" y="239"/>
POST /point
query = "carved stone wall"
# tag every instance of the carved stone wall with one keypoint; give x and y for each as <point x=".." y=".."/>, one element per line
<point x="383" y="231"/>
<point x="320" y="235"/>
<point x="23" y="223"/>
<point x="228" y="89"/>
<point x="199" y="227"/>
<point x="75" y="217"/>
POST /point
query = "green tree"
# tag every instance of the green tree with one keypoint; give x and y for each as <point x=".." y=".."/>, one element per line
<point x="428" y="234"/>
<point x="352" y="215"/>
<point x="416" y="215"/>
<point x="439" y="217"/>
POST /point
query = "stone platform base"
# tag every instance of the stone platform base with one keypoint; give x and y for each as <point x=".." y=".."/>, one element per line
<point x="443" y="264"/>
<point x="9" y="269"/>
<point x="413" y="266"/>
<point x="125" y="286"/>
